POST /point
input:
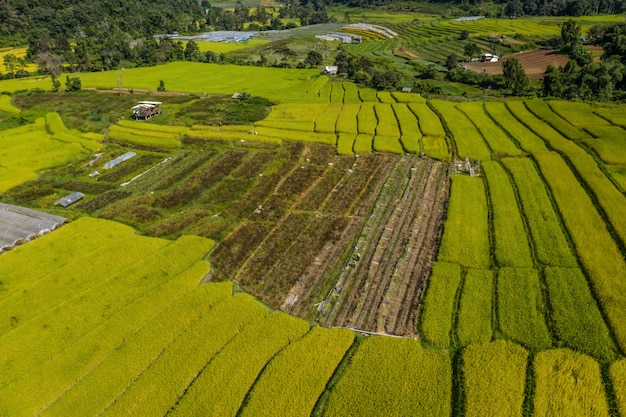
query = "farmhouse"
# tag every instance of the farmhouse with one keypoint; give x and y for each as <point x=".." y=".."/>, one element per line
<point x="489" y="58"/>
<point x="330" y="70"/>
<point x="145" y="110"/>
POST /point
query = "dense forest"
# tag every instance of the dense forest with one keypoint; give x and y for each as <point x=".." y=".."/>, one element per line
<point x="76" y="18"/>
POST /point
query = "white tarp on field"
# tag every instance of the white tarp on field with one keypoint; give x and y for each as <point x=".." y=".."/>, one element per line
<point x="20" y="225"/>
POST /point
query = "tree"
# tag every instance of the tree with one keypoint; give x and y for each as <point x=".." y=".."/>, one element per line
<point x="313" y="59"/>
<point x="72" y="83"/>
<point x="464" y="35"/>
<point x="570" y="34"/>
<point x="553" y="82"/>
<point x="452" y="61"/>
<point x="10" y="64"/>
<point x="471" y="50"/>
<point x="388" y="80"/>
<point x="192" y="51"/>
<point x="161" y="86"/>
<point x="50" y="63"/>
<point x="514" y="76"/>
<point x="514" y="8"/>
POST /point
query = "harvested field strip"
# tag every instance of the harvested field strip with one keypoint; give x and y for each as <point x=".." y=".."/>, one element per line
<point x="435" y="147"/>
<point x="336" y="93"/>
<point x="355" y="187"/>
<point x="512" y="247"/>
<point x="474" y="315"/>
<point x="568" y="383"/>
<point x="550" y="242"/>
<point x="618" y="378"/>
<point x="326" y="121"/>
<point x="578" y="114"/>
<point x="521" y="308"/>
<point x="363" y="144"/>
<point x="254" y="164"/>
<point x="371" y="385"/>
<point x="198" y="338"/>
<point x="608" y="143"/>
<point x="219" y="387"/>
<point x="324" y="188"/>
<point x="366" y="119"/>
<point x="380" y="246"/>
<point x="347" y="121"/>
<point x="573" y="309"/>
<point x="179" y="296"/>
<point x="410" y="274"/>
<point x="252" y="272"/>
<point x="467" y="221"/>
<point x="379" y="282"/>
<point x="345" y="143"/>
<point x="468" y="140"/>
<point x="178" y="168"/>
<point x="279" y="280"/>
<point x="609" y="198"/>
<point x="270" y="396"/>
<point x="498" y="142"/>
<point x="542" y="110"/>
<point x="201" y="180"/>
<point x="230" y="253"/>
<point x="351" y="94"/>
<point x="494" y="377"/>
<point x="438" y="311"/>
<point x="526" y="139"/>
<point x="129" y="167"/>
<point x="597" y="251"/>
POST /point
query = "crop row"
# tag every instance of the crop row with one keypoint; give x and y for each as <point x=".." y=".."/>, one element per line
<point x="512" y="247"/>
<point x="141" y="140"/>
<point x="609" y="198"/>
<point x="466" y="235"/>
<point x="597" y="251"/>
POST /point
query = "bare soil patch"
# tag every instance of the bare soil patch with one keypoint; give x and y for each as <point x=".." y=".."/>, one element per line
<point x="534" y="63"/>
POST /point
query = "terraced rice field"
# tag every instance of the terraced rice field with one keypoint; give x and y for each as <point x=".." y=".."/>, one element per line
<point x="332" y="212"/>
